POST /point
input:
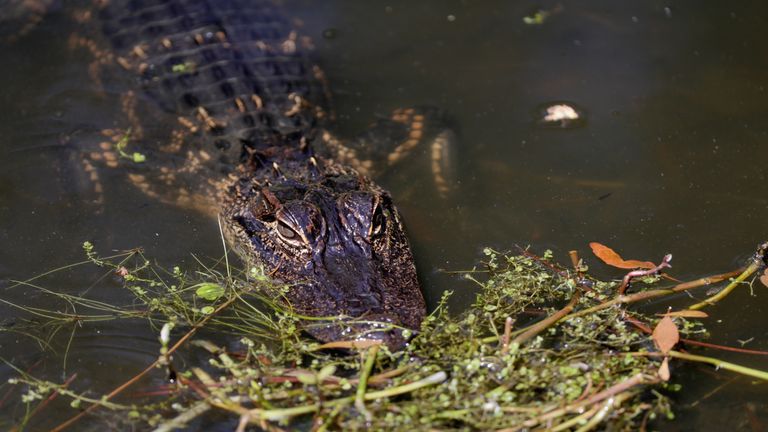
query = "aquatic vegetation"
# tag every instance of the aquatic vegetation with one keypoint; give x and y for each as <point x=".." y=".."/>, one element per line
<point x="542" y="347"/>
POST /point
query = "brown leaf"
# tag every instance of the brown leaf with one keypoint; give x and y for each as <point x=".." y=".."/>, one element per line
<point x="610" y="257"/>
<point x="686" y="314"/>
<point x="665" y="335"/>
<point x="664" y="369"/>
<point x="764" y="277"/>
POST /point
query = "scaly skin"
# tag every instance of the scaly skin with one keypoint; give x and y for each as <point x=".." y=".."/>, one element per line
<point x="235" y="77"/>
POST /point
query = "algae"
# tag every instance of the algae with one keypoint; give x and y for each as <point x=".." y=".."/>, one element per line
<point x="541" y="347"/>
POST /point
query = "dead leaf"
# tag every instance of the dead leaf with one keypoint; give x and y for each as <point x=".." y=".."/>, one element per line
<point x="610" y="257"/>
<point x="664" y="369"/>
<point x="665" y="335"/>
<point x="764" y="277"/>
<point x="686" y="314"/>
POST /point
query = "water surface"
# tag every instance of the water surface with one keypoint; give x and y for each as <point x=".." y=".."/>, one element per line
<point x="669" y="160"/>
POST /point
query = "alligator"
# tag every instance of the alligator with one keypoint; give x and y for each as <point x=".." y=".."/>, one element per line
<point x="247" y="115"/>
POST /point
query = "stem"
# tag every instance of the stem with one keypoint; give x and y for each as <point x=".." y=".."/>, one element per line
<point x="505" y="338"/>
<point x="327" y="423"/>
<point x="542" y="325"/>
<point x="582" y="418"/>
<point x="282" y="413"/>
<point x="640" y="296"/>
<point x="753" y="266"/>
<point x="639" y="273"/>
<point x="435" y="378"/>
<point x="720" y="364"/>
<point x="619" y="390"/>
<point x="645" y="295"/>
<point x="224" y="245"/>
<point x="362" y="386"/>
<point x="644" y="328"/>
<point x="603" y="411"/>
<point x="47" y="401"/>
<point x="182" y="419"/>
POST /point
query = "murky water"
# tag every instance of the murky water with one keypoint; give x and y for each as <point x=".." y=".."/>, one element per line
<point x="670" y="159"/>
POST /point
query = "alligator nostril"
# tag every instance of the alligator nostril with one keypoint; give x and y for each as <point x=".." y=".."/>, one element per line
<point x="362" y="304"/>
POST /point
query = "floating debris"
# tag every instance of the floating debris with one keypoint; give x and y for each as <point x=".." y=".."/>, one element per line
<point x="560" y="115"/>
<point x="541" y="15"/>
<point x="537" y="18"/>
<point x="543" y="346"/>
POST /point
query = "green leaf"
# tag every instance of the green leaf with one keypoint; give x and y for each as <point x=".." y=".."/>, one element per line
<point x="325" y="372"/>
<point x="306" y="378"/>
<point x="209" y="291"/>
<point x="537" y="18"/>
<point x="138" y="157"/>
<point x="207" y="310"/>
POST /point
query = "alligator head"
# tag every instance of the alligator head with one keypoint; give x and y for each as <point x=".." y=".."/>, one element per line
<point x="336" y="239"/>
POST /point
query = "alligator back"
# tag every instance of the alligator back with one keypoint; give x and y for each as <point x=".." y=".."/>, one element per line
<point x="235" y="68"/>
<point x="236" y="80"/>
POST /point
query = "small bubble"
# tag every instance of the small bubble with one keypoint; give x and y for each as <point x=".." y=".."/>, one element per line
<point x="330" y="33"/>
<point x="451" y="18"/>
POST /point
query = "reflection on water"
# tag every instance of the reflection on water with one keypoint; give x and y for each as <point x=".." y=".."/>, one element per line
<point x="670" y="158"/>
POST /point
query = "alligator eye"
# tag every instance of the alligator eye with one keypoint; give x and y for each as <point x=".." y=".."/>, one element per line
<point x="377" y="221"/>
<point x="286" y="232"/>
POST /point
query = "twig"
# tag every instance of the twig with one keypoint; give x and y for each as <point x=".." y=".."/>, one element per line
<point x="753" y="266"/>
<point x="149" y="368"/>
<point x="573" y="421"/>
<point x="542" y="261"/>
<point x="49" y="399"/>
<point x="11" y="389"/>
<point x="724" y="347"/>
<point x="548" y="321"/>
<point x="574" y="254"/>
<point x="640" y="273"/>
<point x="720" y="364"/>
<point x="599" y="416"/>
<point x="284" y="413"/>
<point x="505" y="338"/>
<point x="435" y="378"/>
<point x="224" y="245"/>
<point x="648" y="330"/>
<point x="182" y="419"/>
<point x="614" y="390"/>
<point x="243" y="423"/>
<point x="640" y="296"/>
<point x="645" y="295"/>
